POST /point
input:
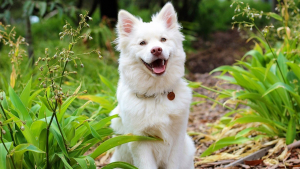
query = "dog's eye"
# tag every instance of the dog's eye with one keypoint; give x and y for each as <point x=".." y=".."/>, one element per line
<point x="143" y="43"/>
<point x="163" y="39"/>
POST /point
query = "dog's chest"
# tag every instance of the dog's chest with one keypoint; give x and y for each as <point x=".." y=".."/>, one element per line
<point x="155" y="116"/>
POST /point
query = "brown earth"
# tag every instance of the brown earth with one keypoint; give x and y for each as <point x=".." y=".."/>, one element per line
<point x="223" y="48"/>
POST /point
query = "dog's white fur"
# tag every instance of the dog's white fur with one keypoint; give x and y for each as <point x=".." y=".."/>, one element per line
<point x="157" y="115"/>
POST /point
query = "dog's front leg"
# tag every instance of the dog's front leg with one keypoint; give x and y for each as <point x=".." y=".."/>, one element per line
<point x="142" y="154"/>
<point x="175" y="154"/>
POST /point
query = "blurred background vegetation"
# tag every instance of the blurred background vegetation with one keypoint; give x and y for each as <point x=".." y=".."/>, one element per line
<point x="41" y="21"/>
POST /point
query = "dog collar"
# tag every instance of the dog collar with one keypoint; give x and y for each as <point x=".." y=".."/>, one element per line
<point x="171" y="95"/>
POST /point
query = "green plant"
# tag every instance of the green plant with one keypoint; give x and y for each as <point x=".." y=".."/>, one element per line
<point x="215" y="15"/>
<point x="270" y="80"/>
<point x="38" y="129"/>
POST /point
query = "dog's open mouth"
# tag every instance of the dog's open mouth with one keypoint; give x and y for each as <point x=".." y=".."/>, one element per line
<point x="157" y="67"/>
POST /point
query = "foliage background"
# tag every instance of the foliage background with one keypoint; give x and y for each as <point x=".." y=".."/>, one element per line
<point x="41" y="21"/>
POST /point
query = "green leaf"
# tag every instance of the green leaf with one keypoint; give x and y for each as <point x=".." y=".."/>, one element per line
<point x="261" y="40"/>
<point x="46" y="103"/>
<point x="295" y="68"/>
<point x="119" y="164"/>
<point x="291" y="131"/>
<point x="269" y="65"/>
<point x="92" y="130"/>
<point x="30" y="8"/>
<point x="281" y="60"/>
<point x="245" y="131"/>
<point x="84" y="131"/>
<point x="275" y="16"/>
<point x="58" y="137"/>
<point x="67" y="103"/>
<point x="3" y="154"/>
<point x="69" y="129"/>
<point x="33" y="96"/>
<point x="21" y="149"/>
<point x="104" y="121"/>
<point x="225" y="119"/>
<point x="86" y="162"/>
<point x="98" y="99"/>
<point x="26" y="5"/>
<point x="197" y="102"/>
<point x="23" y="113"/>
<point x="118" y="140"/>
<point x="108" y="84"/>
<point x="4" y="102"/>
<point x="194" y="85"/>
<point x="62" y="157"/>
<point x="253" y="119"/>
<point x="42" y="8"/>
<point x="280" y="85"/>
<point x="258" y="56"/>
<point x="227" y="78"/>
<point x="26" y="93"/>
<point x="223" y="143"/>
<point x="26" y="132"/>
<point x="80" y="109"/>
<point x="37" y="127"/>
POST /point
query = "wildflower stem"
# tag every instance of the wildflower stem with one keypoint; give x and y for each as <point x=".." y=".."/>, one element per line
<point x="49" y="102"/>
<point x="274" y="56"/>
<point x="12" y="159"/>
<point x="47" y="140"/>
<point x="61" y="132"/>
<point x="10" y="130"/>
<point x="62" y="74"/>
<point x="52" y="117"/>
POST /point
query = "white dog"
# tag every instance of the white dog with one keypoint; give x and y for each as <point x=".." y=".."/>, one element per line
<point x="153" y="98"/>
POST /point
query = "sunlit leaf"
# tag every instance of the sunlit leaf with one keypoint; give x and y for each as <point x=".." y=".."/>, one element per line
<point x="291" y="131"/>
<point x="119" y="164"/>
<point x="118" y="140"/>
<point x="3" y="153"/>
<point x="223" y="143"/>
<point x="275" y="16"/>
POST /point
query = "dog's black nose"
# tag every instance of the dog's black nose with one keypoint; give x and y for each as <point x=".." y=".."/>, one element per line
<point x="156" y="51"/>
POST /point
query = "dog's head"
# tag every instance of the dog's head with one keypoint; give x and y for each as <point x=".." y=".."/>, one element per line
<point x="151" y="51"/>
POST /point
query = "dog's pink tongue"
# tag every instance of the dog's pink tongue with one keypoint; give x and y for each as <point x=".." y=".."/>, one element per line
<point x="158" y="66"/>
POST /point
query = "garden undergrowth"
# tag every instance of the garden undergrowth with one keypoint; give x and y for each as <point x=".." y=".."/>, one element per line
<point x="269" y="77"/>
<point x="41" y="123"/>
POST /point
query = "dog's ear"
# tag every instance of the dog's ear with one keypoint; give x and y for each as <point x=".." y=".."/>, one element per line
<point x="168" y="15"/>
<point x="126" y="22"/>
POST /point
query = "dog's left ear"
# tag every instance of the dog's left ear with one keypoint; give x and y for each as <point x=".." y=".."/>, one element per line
<point x="168" y="15"/>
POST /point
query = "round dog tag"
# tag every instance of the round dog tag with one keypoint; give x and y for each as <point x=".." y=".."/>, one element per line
<point x="171" y="95"/>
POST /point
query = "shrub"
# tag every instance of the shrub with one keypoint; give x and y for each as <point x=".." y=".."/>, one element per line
<point x="270" y="79"/>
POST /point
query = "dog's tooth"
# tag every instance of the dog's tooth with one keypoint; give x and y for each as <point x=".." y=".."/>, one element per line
<point x="163" y="62"/>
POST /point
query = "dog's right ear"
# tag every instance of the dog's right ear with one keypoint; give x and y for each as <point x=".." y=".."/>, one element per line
<point x="126" y="22"/>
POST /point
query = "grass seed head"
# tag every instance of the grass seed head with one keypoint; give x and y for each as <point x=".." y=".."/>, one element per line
<point x="3" y="132"/>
